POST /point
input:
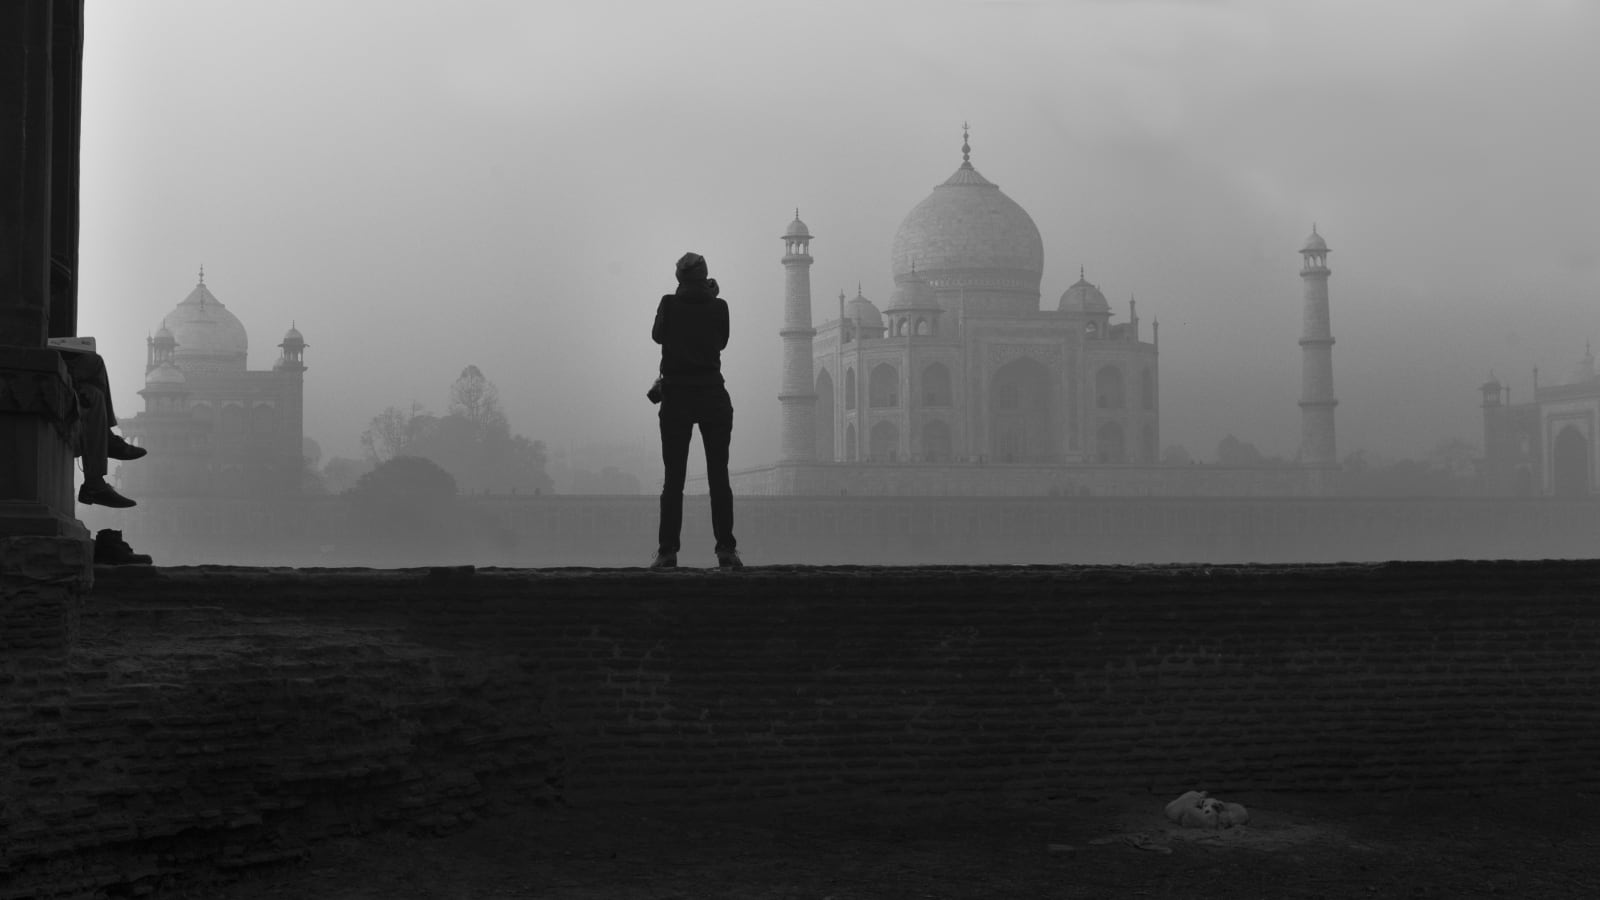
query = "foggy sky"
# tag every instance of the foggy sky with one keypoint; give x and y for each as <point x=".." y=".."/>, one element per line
<point x="423" y="186"/>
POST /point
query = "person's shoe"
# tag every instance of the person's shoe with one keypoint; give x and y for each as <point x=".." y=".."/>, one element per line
<point x="118" y="448"/>
<point x="111" y="550"/>
<point x="665" y="560"/>
<point x="729" y="559"/>
<point x="98" y="493"/>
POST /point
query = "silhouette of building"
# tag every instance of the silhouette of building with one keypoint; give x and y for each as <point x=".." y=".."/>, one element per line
<point x="1547" y="445"/>
<point x="213" y="427"/>
<point x="963" y="384"/>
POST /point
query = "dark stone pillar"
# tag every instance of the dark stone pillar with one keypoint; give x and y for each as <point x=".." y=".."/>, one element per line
<point x="45" y="555"/>
<point x="41" y="66"/>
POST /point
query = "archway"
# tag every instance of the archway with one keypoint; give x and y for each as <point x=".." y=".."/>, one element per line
<point x="885" y="442"/>
<point x="1108" y="388"/>
<point x="883" y="391"/>
<point x="850" y="442"/>
<point x="1020" y="426"/>
<point x="936" y="385"/>
<point x="850" y="388"/>
<point x="1110" y="446"/>
<point x="1569" y="470"/>
<point x="936" y="442"/>
<point x="824" y="417"/>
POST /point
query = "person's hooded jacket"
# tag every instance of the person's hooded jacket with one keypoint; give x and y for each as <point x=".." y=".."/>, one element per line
<point x="692" y="327"/>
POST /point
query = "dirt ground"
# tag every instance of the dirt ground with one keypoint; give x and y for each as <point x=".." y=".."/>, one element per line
<point x="1294" y="847"/>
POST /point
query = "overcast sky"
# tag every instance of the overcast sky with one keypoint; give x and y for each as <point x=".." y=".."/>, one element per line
<point x="423" y="186"/>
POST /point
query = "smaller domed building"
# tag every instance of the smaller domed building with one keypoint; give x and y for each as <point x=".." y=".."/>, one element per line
<point x="213" y="427"/>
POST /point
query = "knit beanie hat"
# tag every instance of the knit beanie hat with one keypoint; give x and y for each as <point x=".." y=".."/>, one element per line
<point x="691" y="267"/>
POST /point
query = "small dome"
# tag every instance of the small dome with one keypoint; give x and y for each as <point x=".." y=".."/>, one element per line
<point x="1084" y="296"/>
<point x="797" y="228"/>
<point x="293" y="334"/>
<point x="1315" y="243"/>
<point x="164" y="333"/>
<point x="165" y="374"/>
<point x="912" y="291"/>
<point x="862" y="310"/>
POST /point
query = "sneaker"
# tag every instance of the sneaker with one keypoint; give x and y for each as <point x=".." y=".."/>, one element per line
<point x="111" y="550"/>
<point x="98" y="493"/>
<point x="118" y="448"/>
<point x="729" y="559"/>
<point x="665" y="560"/>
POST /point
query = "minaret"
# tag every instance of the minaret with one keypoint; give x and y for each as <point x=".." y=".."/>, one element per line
<point x="1317" y="445"/>
<point x="798" y="393"/>
<point x="291" y="365"/>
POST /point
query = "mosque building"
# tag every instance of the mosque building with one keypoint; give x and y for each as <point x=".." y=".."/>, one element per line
<point x="1545" y="446"/>
<point x="213" y="427"/>
<point x="964" y="383"/>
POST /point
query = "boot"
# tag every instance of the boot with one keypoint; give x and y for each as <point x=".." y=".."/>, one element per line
<point x="99" y="493"/>
<point x="111" y="550"/>
<point x="118" y="448"/>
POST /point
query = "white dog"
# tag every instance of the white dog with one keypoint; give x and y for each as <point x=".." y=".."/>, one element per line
<point x="1195" y="810"/>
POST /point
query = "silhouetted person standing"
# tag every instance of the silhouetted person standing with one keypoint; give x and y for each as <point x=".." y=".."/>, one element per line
<point x="692" y="328"/>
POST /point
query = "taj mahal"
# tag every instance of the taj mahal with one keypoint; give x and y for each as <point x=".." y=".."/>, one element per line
<point x="965" y="384"/>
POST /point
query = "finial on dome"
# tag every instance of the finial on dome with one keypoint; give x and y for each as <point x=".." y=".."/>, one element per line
<point x="966" y="148"/>
<point x="1081" y="276"/>
<point x="202" y="273"/>
<point x="797" y="213"/>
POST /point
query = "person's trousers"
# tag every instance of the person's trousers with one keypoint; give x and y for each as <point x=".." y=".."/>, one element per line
<point x="89" y="378"/>
<point x="682" y="408"/>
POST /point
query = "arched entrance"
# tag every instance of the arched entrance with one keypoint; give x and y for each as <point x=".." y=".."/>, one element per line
<point x="936" y="385"/>
<point x="1110" y="444"/>
<point x="884" y="390"/>
<point x="1569" y="468"/>
<point x="1020" y="426"/>
<point x="885" y="442"/>
<point x="1109" y="392"/>
<point x="824" y="417"/>
<point x="936" y="442"/>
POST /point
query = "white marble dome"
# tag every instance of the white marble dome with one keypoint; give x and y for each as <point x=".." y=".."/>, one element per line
<point x="968" y="233"/>
<point x="207" y="334"/>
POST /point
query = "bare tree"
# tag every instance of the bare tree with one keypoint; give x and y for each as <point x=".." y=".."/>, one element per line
<point x="392" y="431"/>
<point x="476" y="399"/>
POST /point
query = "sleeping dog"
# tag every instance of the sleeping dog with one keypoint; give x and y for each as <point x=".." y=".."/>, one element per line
<point x="1195" y="810"/>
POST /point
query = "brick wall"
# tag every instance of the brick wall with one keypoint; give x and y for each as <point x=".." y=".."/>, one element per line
<point x="231" y="715"/>
<point x="840" y="530"/>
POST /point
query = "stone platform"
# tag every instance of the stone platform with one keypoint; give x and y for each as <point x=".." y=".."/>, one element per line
<point x="213" y="719"/>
